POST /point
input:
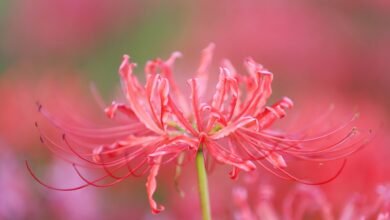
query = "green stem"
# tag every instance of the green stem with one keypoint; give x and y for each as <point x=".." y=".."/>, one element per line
<point x="203" y="186"/>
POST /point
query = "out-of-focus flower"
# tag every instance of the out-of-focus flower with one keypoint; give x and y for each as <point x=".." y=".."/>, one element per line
<point x="16" y="200"/>
<point x="304" y="201"/>
<point x="265" y="209"/>
<point x="299" y="202"/>
<point x="360" y="207"/>
<point x="232" y="127"/>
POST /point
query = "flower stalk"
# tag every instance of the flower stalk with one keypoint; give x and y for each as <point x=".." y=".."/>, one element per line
<point x="203" y="186"/>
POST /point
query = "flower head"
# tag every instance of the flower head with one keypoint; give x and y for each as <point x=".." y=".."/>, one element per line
<point x="232" y="127"/>
<point x="302" y="201"/>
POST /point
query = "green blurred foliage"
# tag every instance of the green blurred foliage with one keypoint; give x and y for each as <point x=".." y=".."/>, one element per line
<point x="4" y="4"/>
<point x="147" y="39"/>
<point x="147" y="35"/>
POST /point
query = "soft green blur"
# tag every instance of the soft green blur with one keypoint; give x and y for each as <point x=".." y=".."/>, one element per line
<point x="150" y="33"/>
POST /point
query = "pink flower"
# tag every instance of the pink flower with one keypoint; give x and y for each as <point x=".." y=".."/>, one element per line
<point x="360" y="207"/>
<point x="300" y="201"/>
<point x="231" y="127"/>
<point x="303" y="201"/>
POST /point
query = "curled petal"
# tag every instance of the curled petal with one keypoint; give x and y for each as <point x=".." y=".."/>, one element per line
<point x="134" y="100"/>
<point x="229" y="158"/>
<point x="252" y="67"/>
<point x="150" y="89"/>
<point x="195" y="102"/>
<point x="180" y="117"/>
<point x="151" y="186"/>
<point x="270" y="114"/>
<point x="163" y="90"/>
<point x="111" y="110"/>
<point x="232" y="71"/>
<point x="219" y="97"/>
<point x="97" y="154"/>
<point x="261" y="92"/>
<point x="126" y="68"/>
<point x="220" y="92"/>
<point x="277" y="160"/>
<point x="176" y="92"/>
<point x="202" y="72"/>
<point x="171" y="149"/>
<point x="233" y="127"/>
<point x="171" y="60"/>
<point x="234" y="173"/>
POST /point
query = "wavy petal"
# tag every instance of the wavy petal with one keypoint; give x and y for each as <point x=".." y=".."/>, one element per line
<point x="151" y="186"/>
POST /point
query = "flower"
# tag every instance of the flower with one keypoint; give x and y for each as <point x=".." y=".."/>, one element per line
<point x="159" y="124"/>
<point x="303" y="201"/>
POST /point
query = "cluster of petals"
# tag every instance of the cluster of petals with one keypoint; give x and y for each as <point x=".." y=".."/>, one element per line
<point x="158" y="124"/>
<point x="304" y="200"/>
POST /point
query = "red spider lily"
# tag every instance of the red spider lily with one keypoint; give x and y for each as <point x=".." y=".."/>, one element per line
<point x="303" y="201"/>
<point x="358" y="207"/>
<point x="299" y="202"/>
<point x="245" y="211"/>
<point x="231" y="127"/>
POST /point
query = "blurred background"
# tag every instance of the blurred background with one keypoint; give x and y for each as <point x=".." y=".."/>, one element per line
<point x="51" y="51"/>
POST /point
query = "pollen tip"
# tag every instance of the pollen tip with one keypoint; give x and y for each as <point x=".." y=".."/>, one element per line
<point x="64" y="136"/>
<point x="36" y="124"/>
<point x="41" y="139"/>
<point x="39" y="106"/>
